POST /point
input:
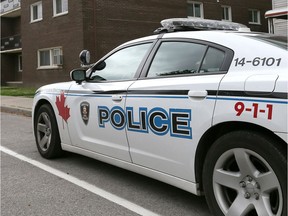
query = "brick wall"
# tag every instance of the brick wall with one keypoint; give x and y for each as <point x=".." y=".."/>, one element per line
<point x="120" y="21"/>
<point x="64" y="31"/>
<point x="101" y="25"/>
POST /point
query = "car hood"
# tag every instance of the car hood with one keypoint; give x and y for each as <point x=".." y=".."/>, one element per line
<point x="54" y="88"/>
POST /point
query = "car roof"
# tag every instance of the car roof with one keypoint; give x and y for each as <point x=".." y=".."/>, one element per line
<point x="232" y="39"/>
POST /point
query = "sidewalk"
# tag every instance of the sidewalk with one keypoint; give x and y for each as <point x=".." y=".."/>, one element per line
<point x="17" y="105"/>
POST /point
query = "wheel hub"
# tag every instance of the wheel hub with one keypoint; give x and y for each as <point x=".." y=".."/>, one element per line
<point x="47" y="131"/>
<point x="250" y="188"/>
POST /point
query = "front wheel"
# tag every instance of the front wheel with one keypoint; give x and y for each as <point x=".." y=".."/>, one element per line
<point x="46" y="132"/>
<point x="245" y="174"/>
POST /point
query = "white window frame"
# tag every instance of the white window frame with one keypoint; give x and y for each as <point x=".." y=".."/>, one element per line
<point x="258" y="22"/>
<point x="39" y="12"/>
<point x="20" y="64"/>
<point x="201" y="8"/>
<point x="64" y="8"/>
<point x="56" y="60"/>
<point x="225" y="7"/>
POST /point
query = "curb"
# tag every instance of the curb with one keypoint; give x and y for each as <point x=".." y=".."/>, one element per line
<point x="15" y="110"/>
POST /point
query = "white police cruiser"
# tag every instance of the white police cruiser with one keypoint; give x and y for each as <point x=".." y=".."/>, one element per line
<point x="205" y="111"/>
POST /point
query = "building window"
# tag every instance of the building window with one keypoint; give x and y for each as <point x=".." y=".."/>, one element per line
<point x="254" y="16"/>
<point x="226" y="13"/>
<point x="60" y="7"/>
<point x="20" y="63"/>
<point x="50" y="58"/>
<point x="195" y="9"/>
<point x="36" y="11"/>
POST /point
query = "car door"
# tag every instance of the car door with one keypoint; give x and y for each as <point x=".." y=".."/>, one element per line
<point x="170" y="108"/>
<point x="97" y="105"/>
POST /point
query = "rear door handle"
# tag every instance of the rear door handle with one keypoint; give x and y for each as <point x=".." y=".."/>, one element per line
<point x="197" y="94"/>
<point x="117" y="98"/>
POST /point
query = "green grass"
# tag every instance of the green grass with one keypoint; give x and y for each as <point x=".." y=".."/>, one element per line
<point x="17" y="91"/>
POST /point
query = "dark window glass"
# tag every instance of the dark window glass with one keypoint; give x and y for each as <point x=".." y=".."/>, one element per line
<point x="20" y="62"/>
<point x="175" y="58"/>
<point x="123" y="64"/>
<point x="197" y="8"/>
<point x="225" y="13"/>
<point x="45" y="58"/>
<point x="213" y="60"/>
<point x="35" y="12"/>
<point x="58" y="6"/>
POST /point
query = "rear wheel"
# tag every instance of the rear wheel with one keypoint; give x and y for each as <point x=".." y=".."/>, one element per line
<point x="46" y="132"/>
<point x="245" y="174"/>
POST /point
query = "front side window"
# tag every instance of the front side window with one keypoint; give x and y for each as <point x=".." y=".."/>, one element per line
<point x="60" y="7"/>
<point x="50" y="58"/>
<point x="226" y="13"/>
<point x="122" y="65"/>
<point x="36" y="11"/>
<point x="195" y="9"/>
<point x="254" y="16"/>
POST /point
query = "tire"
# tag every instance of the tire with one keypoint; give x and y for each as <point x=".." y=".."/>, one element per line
<point x="246" y="174"/>
<point x="46" y="133"/>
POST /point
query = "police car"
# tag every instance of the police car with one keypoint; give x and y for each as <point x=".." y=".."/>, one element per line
<point x="205" y="111"/>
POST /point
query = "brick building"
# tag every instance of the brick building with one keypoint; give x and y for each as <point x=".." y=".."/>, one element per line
<point x="41" y="40"/>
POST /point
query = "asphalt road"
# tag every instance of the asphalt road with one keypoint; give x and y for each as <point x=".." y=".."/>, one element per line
<point x="31" y="185"/>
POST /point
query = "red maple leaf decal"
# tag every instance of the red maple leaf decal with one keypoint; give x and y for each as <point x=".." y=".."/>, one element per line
<point x="64" y="111"/>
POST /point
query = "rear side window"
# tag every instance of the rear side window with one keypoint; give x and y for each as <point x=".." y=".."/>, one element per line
<point x="213" y="60"/>
<point x="173" y="58"/>
<point x="184" y="58"/>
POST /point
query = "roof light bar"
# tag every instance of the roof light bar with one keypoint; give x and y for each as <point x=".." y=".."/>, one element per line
<point x="190" y="24"/>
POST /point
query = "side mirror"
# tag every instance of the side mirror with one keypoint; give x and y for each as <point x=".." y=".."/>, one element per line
<point x="78" y="75"/>
<point x="84" y="57"/>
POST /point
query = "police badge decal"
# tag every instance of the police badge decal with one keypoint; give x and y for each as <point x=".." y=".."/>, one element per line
<point x="84" y="109"/>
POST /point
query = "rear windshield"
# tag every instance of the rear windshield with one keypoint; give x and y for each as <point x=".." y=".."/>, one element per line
<point x="276" y="40"/>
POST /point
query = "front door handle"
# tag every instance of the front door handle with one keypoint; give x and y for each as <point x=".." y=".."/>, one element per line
<point x="197" y="94"/>
<point x="117" y="98"/>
